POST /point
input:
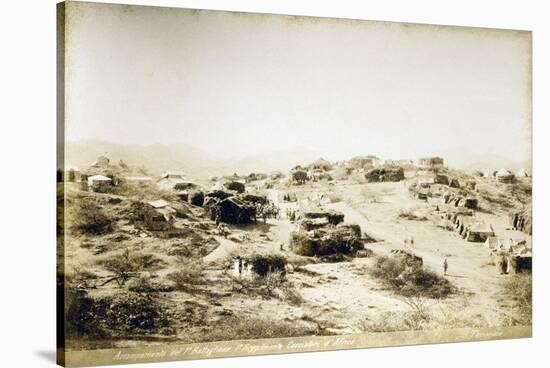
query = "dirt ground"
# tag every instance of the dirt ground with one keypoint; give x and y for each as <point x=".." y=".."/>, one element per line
<point x="335" y="298"/>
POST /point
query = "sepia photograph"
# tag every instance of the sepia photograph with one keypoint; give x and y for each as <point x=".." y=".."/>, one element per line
<point x="233" y="183"/>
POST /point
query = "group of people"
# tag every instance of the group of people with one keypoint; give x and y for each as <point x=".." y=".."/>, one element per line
<point x="291" y="214"/>
<point x="288" y="198"/>
<point x="408" y="241"/>
<point x="268" y="210"/>
<point x="222" y="228"/>
<point x="242" y="269"/>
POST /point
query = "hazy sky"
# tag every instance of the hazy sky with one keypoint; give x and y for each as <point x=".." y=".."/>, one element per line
<point x="238" y="84"/>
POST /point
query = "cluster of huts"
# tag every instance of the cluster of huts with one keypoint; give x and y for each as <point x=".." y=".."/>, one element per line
<point x="505" y="176"/>
<point x="316" y="171"/>
<point x="514" y="255"/>
<point x="98" y="177"/>
<point x="102" y="175"/>
<point x="472" y="229"/>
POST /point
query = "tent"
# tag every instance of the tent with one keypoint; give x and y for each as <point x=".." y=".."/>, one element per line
<point x="99" y="183"/>
<point x="522" y="173"/>
<point x="479" y="232"/>
<point x="160" y="217"/>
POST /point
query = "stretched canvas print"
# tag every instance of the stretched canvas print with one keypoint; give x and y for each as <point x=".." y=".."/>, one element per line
<point x="238" y="184"/>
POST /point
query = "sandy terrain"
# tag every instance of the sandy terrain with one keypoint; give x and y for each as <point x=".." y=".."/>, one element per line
<point x="334" y="297"/>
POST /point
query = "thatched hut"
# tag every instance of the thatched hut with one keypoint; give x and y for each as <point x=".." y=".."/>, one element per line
<point x="233" y="210"/>
<point x="385" y="174"/>
<point x="430" y="163"/>
<point x="504" y="176"/>
<point x="479" y="232"/>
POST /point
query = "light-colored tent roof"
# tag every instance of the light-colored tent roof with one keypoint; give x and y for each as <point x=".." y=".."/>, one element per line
<point x="503" y="172"/>
<point x="482" y="227"/>
<point x="522" y="173"/>
<point x="159" y="203"/>
<point x="99" y="178"/>
<point x="467" y="221"/>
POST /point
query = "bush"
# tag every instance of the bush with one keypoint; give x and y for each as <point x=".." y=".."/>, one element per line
<point x="410" y="278"/>
<point x="249" y="328"/>
<point x="235" y="186"/>
<point x="125" y="265"/>
<point x="519" y="290"/>
<point x="269" y="263"/>
<point x="113" y="316"/>
<point x="196" y="198"/>
<point x="89" y="218"/>
<point x="189" y="273"/>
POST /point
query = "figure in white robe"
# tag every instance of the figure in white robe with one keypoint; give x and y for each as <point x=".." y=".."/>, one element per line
<point x="248" y="271"/>
<point x="236" y="268"/>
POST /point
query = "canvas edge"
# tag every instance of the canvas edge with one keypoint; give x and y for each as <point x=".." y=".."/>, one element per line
<point x="60" y="186"/>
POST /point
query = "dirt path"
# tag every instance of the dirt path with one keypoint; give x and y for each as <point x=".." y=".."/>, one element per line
<point x="433" y="244"/>
<point x="268" y="237"/>
<point x="343" y="294"/>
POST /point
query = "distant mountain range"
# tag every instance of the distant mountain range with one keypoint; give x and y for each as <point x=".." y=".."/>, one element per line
<point x="157" y="158"/>
<point x="466" y="161"/>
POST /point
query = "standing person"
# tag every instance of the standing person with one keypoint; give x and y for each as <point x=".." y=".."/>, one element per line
<point x="412" y="241"/>
<point x="236" y="268"/>
<point x="503" y="265"/>
<point x="445" y="266"/>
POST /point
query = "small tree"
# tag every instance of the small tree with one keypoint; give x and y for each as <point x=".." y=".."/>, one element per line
<point x="300" y="177"/>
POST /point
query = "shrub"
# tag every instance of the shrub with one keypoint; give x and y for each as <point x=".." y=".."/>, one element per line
<point x="189" y="273"/>
<point x="125" y="265"/>
<point x="263" y="264"/>
<point x="410" y="278"/>
<point x="196" y="198"/>
<point x="251" y="327"/>
<point x="519" y="289"/>
<point x="89" y="218"/>
<point x="113" y="316"/>
<point x="236" y="186"/>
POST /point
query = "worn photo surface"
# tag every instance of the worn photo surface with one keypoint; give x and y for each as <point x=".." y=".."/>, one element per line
<point x="238" y="184"/>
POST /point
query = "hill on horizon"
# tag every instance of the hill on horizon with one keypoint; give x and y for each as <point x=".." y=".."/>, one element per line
<point x="157" y="158"/>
